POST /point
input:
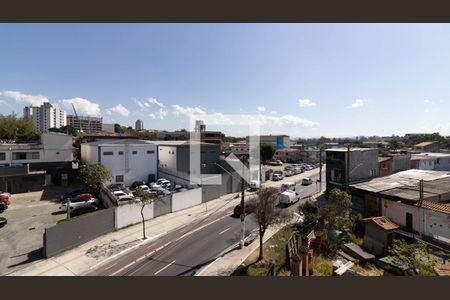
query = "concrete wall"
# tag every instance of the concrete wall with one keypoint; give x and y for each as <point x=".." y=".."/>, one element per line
<point x="396" y="212"/>
<point x="442" y="164"/>
<point x="435" y="224"/>
<point x="162" y="206"/>
<point x="186" y="199"/>
<point x="168" y="157"/>
<point x="401" y="162"/>
<point x="130" y="213"/>
<point x="67" y="235"/>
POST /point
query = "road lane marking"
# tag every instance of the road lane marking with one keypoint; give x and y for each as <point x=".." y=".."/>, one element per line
<point x="165" y="267"/>
<point x="223" y="231"/>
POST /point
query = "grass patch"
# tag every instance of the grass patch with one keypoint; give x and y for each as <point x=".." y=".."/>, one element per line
<point x="274" y="252"/>
<point x="76" y="217"/>
<point x="322" y="266"/>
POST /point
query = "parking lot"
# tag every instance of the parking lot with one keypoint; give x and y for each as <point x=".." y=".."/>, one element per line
<point x="28" y="215"/>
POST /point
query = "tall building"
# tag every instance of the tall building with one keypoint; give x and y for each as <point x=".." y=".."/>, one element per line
<point x="45" y="116"/>
<point x="139" y="125"/>
<point x="278" y="141"/>
<point x="85" y="124"/>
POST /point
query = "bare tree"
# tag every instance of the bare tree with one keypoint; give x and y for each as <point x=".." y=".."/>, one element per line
<point x="144" y="198"/>
<point x="266" y="213"/>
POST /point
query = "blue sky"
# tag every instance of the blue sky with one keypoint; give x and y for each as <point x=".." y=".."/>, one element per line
<point x="305" y="80"/>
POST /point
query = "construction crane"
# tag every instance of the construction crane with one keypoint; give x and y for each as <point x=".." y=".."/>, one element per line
<point x="76" y="115"/>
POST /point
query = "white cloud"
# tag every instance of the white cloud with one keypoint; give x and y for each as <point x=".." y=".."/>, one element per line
<point x="160" y="114"/>
<point x="83" y="107"/>
<point x="427" y="101"/>
<point x="144" y="105"/>
<point x="119" y="109"/>
<point x="358" y="103"/>
<point x="35" y="100"/>
<point x="261" y="108"/>
<point x="273" y="112"/>
<point x="306" y="103"/>
<point x="178" y="110"/>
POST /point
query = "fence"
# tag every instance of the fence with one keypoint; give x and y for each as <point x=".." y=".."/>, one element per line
<point x="67" y="235"/>
<point x="162" y="206"/>
<point x="130" y="213"/>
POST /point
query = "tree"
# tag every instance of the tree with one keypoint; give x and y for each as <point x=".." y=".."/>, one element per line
<point x="13" y="129"/>
<point x="267" y="151"/>
<point x="394" y="144"/>
<point x="416" y="255"/>
<point x="310" y="212"/>
<point x="145" y="198"/>
<point x="94" y="176"/>
<point x="335" y="216"/>
<point x="266" y="213"/>
<point x="118" y="128"/>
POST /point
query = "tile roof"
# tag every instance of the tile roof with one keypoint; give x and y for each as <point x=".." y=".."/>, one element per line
<point x="383" y="222"/>
<point x="384" y="158"/>
<point x="436" y="206"/>
<point x="443" y="270"/>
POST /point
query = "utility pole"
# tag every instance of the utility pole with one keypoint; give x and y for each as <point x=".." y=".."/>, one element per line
<point x="420" y="193"/>
<point x="320" y="169"/>
<point x="347" y="170"/>
<point x="241" y="243"/>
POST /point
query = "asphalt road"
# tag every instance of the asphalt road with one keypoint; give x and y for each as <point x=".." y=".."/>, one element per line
<point x="183" y="252"/>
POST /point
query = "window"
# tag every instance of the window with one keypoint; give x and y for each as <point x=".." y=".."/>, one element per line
<point x="2" y="156"/>
<point x="119" y="178"/>
<point x="120" y="152"/>
<point x="150" y="151"/>
<point x="25" y="155"/>
<point x="108" y="153"/>
<point x="437" y="161"/>
<point x="134" y="152"/>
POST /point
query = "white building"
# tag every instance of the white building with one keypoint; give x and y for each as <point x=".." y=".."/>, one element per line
<point x="139" y="125"/>
<point x="431" y="161"/>
<point x="45" y="116"/>
<point x="278" y="141"/>
<point x="128" y="160"/>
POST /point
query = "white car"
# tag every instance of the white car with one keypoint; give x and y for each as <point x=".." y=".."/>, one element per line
<point x="288" y="197"/>
<point x="254" y="185"/>
<point x="120" y="195"/>
<point x="144" y="188"/>
<point x="289" y="173"/>
<point x="307" y="181"/>
<point x="77" y="202"/>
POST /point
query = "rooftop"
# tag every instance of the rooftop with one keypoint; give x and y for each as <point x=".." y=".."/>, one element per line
<point x="439" y="207"/>
<point x="181" y="143"/>
<point x="384" y="158"/>
<point x="430" y="155"/>
<point x="119" y="142"/>
<point x="344" y="149"/>
<point x="405" y="185"/>
<point x="382" y="222"/>
<point x="424" y="144"/>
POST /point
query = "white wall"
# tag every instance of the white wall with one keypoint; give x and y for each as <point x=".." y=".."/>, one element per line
<point x="186" y="199"/>
<point x="168" y="157"/>
<point x="396" y="212"/>
<point x="129" y="214"/>
<point x="435" y="224"/>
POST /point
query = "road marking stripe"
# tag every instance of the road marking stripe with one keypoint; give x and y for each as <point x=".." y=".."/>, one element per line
<point x="165" y="267"/>
<point x="223" y="231"/>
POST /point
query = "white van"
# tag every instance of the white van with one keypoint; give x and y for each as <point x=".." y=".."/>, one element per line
<point x="254" y="185"/>
<point x="288" y="197"/>
<point x="288" y="186"/>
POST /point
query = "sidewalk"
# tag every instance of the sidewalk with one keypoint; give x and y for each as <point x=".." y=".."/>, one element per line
<point x="226" y="264"/>
<point x="84" y="258"/>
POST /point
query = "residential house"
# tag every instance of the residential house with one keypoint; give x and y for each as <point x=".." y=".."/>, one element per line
<point x="378" y="234"/>
<point x="129" y="160"/>
<point x="430" y="146"/>
<point x="394" y="162"/>
<point x="362" y="162"/>
<point x="431" y="161"/>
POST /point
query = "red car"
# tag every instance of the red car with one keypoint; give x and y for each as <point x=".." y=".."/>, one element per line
<point x="5" y="199"/>
<point x="85" y="195"/>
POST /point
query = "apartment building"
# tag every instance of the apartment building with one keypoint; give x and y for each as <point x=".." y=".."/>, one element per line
<point x="139" y="125"/>
<point x="129" y="160"/>
<point x="45" y="116"/>
<point x="85" y="124"/>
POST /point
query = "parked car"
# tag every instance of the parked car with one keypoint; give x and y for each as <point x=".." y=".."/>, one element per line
<point x="5" y="199"/>
<point x="289" y="173"/>
<point x="249" y="208"/>
<point x="154" y="186"/>
<point x="278" y="162"/>
<point x="307" y="181"/>
<point x="5" y="194"/>
<point x="288" y="186"/>
<point x="163" y="191"/>
<point x="177" y="188"/>
<point x="3" y="207"/>
<point x="3" y="222"/>
<point x="76" y="202"/>
<point x="83" y="209"/>
<point x="144" y="187"/>
<point x="116" y="186"/>
<point x="121" y="194"/>
<point x="288" y="197"/>
<point x="298" y="170"/>
<point x="277" y="176"/>
<point x="85" y="195"/>
<point x="136" y="184"/>
<point x="162" y="180"/>
<point x="288" y="167"/>
<point x="73" y="193"/>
